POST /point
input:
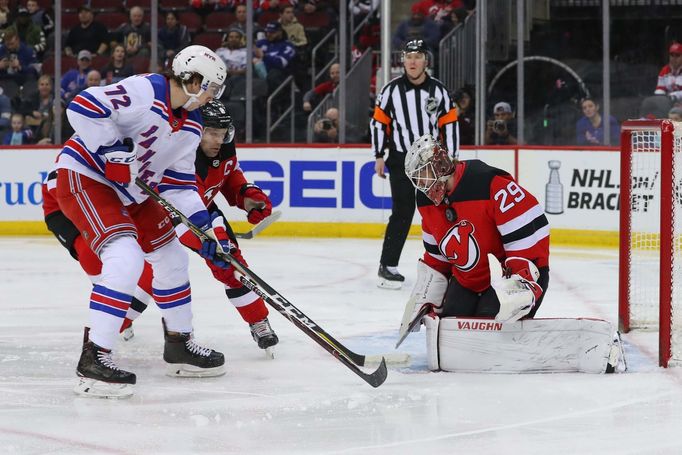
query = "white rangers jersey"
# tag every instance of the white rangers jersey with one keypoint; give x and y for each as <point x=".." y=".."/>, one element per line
<point x="138" y="107"/>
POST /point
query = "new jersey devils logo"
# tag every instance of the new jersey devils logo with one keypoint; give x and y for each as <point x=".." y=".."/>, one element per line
<point x="459" y="246"/>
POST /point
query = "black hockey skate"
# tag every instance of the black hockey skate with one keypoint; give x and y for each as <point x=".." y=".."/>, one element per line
<point x="98" y="374"/>
<point x="388" y="279"/>
<point x="263" y="334"/>
<point x="266" y="338"/>
<point x="187" y="359"/>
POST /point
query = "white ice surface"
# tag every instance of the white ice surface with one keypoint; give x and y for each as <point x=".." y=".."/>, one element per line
<point x="305" y="401"/>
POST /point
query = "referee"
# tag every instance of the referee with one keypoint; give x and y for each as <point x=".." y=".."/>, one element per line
<point x="407" y="108"/>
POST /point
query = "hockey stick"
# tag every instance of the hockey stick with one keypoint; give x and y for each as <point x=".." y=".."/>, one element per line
<point x="279" y="303"/>
<point x="257" y="229"/>
<point x="414" y="323"/>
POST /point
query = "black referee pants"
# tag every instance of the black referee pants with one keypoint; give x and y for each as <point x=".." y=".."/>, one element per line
<point x="403" y="199"/>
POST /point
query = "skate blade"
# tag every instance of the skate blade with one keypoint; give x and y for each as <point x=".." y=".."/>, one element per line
<point x="388" y="284"/>
<point x="128" y="334"/>
<point x="270" y="353"/>
<point x="183" y="370"/>
<point x="92" y="388"/>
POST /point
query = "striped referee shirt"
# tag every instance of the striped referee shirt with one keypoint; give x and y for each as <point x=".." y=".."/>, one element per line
<point x="404" y="112"/>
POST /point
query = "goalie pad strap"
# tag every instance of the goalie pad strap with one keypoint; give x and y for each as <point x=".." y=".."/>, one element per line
<point x="528" y="346"/>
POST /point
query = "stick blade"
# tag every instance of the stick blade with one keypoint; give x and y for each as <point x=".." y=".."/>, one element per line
<point x="260" y="227"/>
<point x="379" y="375"/>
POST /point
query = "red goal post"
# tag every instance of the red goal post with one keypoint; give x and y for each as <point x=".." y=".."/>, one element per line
<point x="650" y="256"/>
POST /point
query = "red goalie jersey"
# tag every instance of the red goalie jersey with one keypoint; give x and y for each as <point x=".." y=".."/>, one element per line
<point x="487" y="212"/>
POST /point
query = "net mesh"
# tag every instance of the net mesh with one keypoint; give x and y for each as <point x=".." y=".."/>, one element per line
<point x="645" y="236"/>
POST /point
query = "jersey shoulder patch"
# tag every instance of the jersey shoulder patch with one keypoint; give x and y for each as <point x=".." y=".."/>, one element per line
<point x="475" y="182"/>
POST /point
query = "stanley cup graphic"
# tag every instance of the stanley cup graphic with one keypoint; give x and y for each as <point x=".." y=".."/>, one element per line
<point x="554" y="190"/>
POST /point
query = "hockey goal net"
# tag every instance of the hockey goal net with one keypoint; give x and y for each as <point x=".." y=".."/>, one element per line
<point x="650" y="281"/>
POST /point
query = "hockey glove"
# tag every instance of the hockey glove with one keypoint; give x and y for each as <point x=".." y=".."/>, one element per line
<point x="209" y="248"/>
<point x="516" y="287"/>
<point x="256" y="203"/>
<point x="121" y="161"/>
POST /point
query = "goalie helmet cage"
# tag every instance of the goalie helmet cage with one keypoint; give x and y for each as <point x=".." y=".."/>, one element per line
<point x="650" y="254"/>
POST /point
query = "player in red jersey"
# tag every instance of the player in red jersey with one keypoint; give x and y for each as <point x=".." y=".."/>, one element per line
<point x="474" y="215"/>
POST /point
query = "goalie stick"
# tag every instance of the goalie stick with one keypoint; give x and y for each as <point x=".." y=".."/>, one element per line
<point x="252" y="281"/>
<point x="405" y="328"/>
<point x="257" y="229"/>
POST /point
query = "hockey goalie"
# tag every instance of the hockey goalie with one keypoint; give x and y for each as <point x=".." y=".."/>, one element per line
<point x="484" y="274"/>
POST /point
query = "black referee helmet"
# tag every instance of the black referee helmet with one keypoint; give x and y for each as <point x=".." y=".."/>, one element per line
<point x="215" y="115"/>
<point x="415" y="45"/>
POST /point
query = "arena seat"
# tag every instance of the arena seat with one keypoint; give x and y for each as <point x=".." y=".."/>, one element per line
<point x="219" y="21"/>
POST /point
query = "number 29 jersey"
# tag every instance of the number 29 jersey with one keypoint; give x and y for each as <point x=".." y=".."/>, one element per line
<point x="487" y="212"/>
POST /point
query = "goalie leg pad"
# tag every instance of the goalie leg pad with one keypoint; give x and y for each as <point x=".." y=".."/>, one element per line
<point x="528" y="346"/>
<point x="432" y="322"/>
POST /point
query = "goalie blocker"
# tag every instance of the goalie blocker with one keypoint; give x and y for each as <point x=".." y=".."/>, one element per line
<point x="527" y="346"/>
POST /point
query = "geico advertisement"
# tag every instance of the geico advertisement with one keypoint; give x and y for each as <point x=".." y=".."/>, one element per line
<point x="21" y="175"/>
<point x="579" y="189"/>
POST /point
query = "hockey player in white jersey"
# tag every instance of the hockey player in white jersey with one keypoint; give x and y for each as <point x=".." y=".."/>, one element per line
<point x="145" y="126"/>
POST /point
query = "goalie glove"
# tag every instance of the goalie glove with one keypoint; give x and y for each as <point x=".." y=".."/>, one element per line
<point x="121" y="161"/>
<point x="516" y="287"/>
<point x="429" y="289"/>
<point x="256" y="203"/>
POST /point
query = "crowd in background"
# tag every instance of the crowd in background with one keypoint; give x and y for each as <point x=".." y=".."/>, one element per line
<point x="105" y="42"/>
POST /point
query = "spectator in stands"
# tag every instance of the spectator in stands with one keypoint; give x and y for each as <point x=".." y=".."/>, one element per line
<point x="75" y="80"/>
<point x="670" y="76"/>
<point x="94" y="79"/>
<point x="6" y="15"/>
<point x="17" y="60"/>
<point x="19" y="134"/>
<point x="172" y="37"/>
<point x="88" y="34"/>
<point x="5" y="111"/>
<point x="315" y="95"/>
<point x="240" y="18"/>
<point x="326" y="129"/>
<point x="118" y="67"/>
<point x="135" y="35"/>
<point x="37" y="105"/>
<point x="277" y="53"/>
<point x="46" y="132"/>
<point x="292" y="27"/>
<point x="417" y="27"/>
<point x="360" y="8"/>
<point x="457" y="16"/>
<point x="204" y="7"/>
<point x="233" y="53"/>
<point x="439" y="10"/>
<point x="309" y="6"/>
<point x="41" y="17"/>
<point x="589" y="130"/>
<point x="466" y="114"/>
<point x="675" y="114"/>
<point x="29" y="32"/>
<point x="502" y="129"/>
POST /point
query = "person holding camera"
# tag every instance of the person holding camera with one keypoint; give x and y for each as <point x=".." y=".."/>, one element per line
<point x="502" y="129"/>
<point x="407" y="108"/>
<point x="326" y="128"/>
<point x="17" y="59"/>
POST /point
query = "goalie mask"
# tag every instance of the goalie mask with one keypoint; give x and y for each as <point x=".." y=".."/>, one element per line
<point x="429" y="167"/>
<point x="214" y="115"/>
